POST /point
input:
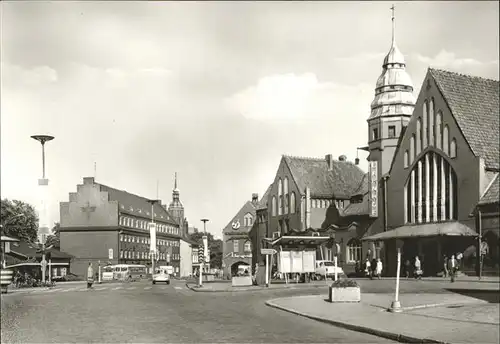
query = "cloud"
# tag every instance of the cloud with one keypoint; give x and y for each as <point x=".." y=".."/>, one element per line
<point x="446" y="59"/>
<point x="290" y="97"/>
<point x="36" y="76"/>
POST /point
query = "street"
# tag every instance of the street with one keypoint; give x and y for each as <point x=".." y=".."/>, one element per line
<point x="140" y="312"/>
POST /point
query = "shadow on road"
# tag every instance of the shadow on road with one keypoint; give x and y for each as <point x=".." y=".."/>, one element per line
<point x="491" y="296"/>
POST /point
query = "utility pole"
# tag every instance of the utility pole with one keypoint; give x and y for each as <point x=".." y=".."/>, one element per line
<point x="152" y="235"/>
<point x="205" y="249"/>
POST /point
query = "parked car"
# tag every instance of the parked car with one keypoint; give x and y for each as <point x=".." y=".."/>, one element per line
<point x="161" y="275"/>
<point x="327" y="268"/>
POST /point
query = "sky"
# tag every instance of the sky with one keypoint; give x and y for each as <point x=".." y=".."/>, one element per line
<point x="215" y="91"/>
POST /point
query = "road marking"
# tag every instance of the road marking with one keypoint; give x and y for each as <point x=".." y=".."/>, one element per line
<point x="66" y="290"/>
<point x="131" y="288"/>
<point x="147" y="288"/>
<point x="117" y="288"/>
<point x="178" y="288"/>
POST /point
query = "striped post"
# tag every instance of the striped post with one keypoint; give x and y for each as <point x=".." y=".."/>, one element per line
<point x="6" y="279"/>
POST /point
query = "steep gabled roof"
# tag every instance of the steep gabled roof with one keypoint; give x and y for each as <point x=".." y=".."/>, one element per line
<point x="492" y="193"/>
<point x="263" y="201"/>
<point x="248" y="207"/>
<point x="136" y="205"/>
<point x="340" y="182"/>
<point x="474" y="103"/>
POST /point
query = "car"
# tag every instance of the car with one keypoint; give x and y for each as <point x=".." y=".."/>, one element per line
<point x="161" y="276"/>
<point x="327" y="268"/>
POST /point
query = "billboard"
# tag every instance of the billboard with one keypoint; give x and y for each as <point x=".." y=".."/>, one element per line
<point x="285" y="262"/>
<point x="373" y="188"/>
<point x="152" y="235"/>
<point x="297" y="261"/>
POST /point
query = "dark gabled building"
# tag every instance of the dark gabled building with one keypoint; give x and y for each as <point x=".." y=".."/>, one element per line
<point x="100" y="223"/>
<point x="257" y="235"/>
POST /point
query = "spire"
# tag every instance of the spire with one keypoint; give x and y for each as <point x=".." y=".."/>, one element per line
<point x="393" y="26"/>
<point x="175" y="182"/>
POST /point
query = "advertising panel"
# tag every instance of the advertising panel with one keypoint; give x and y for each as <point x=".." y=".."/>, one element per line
<point x="309" y="261"/>
<point x="373" y="185"/>
<point x="285" y="262"/>
<point x="152" y="235"/>
<point x="296" y="261"/>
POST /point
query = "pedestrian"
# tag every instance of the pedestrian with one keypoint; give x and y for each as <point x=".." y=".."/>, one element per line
<point x="445" y="266"/>
<point x="378" y="269"/>
<point x="407" y="268"/>
<point x="452" y="267"/>
<point x="373" y="265"/>
<point x="368" y="270"/>
<point x="418" y="268"/>
<point x="90" y="276"/>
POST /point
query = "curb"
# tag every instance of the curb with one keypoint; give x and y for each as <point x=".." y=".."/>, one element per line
<point x="383" y="334"/>
<point x="201" y="290"/>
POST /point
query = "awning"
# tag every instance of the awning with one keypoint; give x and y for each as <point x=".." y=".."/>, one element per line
<point x="35" y="264"/>
<point x="454" y="229"/>
<point x="5" y="238"/>
<point x="300" y="240"/>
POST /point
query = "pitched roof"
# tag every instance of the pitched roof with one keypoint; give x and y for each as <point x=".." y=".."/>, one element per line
<point x="263" y="201"/>
<point x="340" y="182"/>
<point x="248" y="207"/>
<point x="136" y="205"/>
<point x="492" y="193"/>
<point x="357" y="209"/>
<point x="474" y="104"/>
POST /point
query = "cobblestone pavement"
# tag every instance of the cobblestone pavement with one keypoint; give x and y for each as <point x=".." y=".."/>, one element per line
<point x="160" y="314"/>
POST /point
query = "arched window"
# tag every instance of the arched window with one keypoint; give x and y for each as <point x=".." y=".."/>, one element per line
<point x="248" y="246"/>
<point x="424" y="128"/>
<point x="280" y="187"/>
<point x="439" y="124"/>
<point x="406" y="163"/>
<point x="280" y="205"/>
<point x="285" y="186"/>
<point x="446" y="140"/>
<point x="353" y="251"/>
<point x="292" y="203"/>
<point x="273" y="206"/>
<point x="453" y="148"/>
<point x="431" y="199"/>
<point x="419" y="136"/>
<point x="412" y="148"/>
<point x="431" y="123"/>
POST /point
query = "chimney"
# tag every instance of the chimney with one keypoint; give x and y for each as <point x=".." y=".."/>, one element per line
<point x="255" y="198"/>
<point x="329" y="161"/>
<point x="342" y="158"/>
<point x="356" y="161"/>
<point x="88" y="180"/>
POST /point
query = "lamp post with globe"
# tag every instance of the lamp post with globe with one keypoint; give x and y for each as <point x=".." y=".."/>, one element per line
<point x="43" y="183"/>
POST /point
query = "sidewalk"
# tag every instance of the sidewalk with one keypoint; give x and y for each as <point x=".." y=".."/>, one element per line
<point x="429" y="318"/>
<point x="214" y="287"/>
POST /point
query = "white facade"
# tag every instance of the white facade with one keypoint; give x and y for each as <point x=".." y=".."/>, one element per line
<point x="186" y="253"/>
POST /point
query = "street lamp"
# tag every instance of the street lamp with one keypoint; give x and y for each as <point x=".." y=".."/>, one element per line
<point x="43" y="183"/>
<point x="205" y="248"/>
<point x="152" y="235"/>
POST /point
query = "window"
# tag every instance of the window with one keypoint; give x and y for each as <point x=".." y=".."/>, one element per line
<point x="424" y="128"/>
<point x="286" y="211"/>
<point x="248" y="219"/>
<point x="412" y="148"/>
<point x="375" y="134"/>
<point x="280" y="187"/>
<point x="353" y="251"/>
<point x="292" y="203"/>
<point x="280" y="206"/>
<point x="273" y="206"/>
<point x="406" y="159"/>
<point x="248" y="246"/>
<point x="453" y="148"/>
<point x="419" y="137"/>
<point x="392" y="131"/>
<point x="236" y="245"/>
<point x="121" y="254"/>
<point x="431" y="123"/>
<point x="446" y="140"/>
<point x="438" y="192"/>
<point x="439" y="119"/>
<point x="285" y="186"/>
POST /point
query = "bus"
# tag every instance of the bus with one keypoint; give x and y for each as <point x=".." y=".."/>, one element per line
<point x="124" y="272"/>
<point x="108" y="273"/>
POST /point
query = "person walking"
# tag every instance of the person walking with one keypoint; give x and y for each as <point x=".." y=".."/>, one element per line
<point x="445" y="266"/>
<point x="407" y="268"/>
<point x="418" y="268"/>
<point x="90" y="276"/>
<point x="378" y="269"/>
<point x="452" y="267"/>
<point x="368" y="270"/>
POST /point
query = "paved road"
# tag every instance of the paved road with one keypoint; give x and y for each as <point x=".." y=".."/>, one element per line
<point x="142" y="313"/>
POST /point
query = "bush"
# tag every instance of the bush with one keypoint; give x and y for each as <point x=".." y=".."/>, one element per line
<point x="71" y="277"/>
<point x="345" y="283"/>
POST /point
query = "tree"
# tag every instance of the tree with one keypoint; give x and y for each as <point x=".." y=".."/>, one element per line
<point x="214" y="245"/>
<point x="19" y="220"/>
<point x="54" y="238"/>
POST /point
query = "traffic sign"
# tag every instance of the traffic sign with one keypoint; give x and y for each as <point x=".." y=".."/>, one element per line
<point x="266" y="251"/>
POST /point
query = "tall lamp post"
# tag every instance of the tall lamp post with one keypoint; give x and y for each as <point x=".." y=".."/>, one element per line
<point x="152" y="235"/>
<point x="43" y="183"/>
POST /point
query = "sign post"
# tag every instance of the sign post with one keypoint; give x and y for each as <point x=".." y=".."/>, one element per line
<point x="335" y="262"/>
<point x="267" y="252"/>
<point x="396" y="305"/>
<point x="201" y="257"/>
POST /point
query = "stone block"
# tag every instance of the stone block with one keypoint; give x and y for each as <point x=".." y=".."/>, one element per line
<point x="242" y="281"/>
<point x="351" y="294"/>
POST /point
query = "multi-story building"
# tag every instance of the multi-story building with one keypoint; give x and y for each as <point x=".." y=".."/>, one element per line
<point x="258" y="234"/>
<point x="237" y="246"/>
<point x="106" y="225"/>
